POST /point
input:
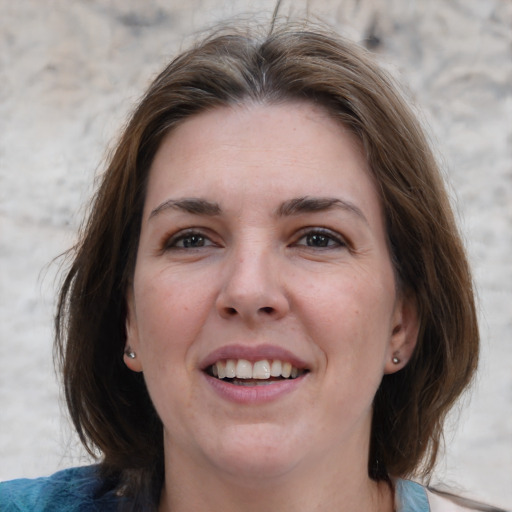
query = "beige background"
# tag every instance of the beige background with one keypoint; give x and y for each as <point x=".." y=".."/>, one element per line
<point x="70" y="71"/>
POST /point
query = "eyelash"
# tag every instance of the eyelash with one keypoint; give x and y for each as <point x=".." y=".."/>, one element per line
<point x="330" y="236"/>
<point x="333" y="240"/>
<point x="171" y="243"/>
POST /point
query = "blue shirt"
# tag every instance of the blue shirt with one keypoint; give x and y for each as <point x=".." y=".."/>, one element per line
<point x="71" y="490"/>
<point x="81" y="490"/>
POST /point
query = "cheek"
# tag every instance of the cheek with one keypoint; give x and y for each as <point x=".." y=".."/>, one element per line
<point x="167" y="323"/>
<point x="167" y="303"/>
<point x="350" y="324"/>
<point x="362" y="302"/>
<point x="349" y="317"/>
<point x="168" y="318"/>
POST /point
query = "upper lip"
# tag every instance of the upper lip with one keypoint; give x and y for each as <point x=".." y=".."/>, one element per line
<point x="252" y="353"/>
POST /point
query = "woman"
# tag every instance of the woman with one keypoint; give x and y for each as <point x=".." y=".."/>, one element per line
<point x="270" y="305"/>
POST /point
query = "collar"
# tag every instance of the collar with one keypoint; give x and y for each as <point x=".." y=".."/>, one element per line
<point x="410" y="497"/>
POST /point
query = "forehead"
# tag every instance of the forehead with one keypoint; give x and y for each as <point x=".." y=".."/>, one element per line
<point x="290" y="149"/>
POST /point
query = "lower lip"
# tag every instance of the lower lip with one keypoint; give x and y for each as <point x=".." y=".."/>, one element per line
<point x="257" y="394"/>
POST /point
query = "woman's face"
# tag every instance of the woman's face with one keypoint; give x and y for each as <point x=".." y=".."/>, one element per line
<point x="263" y="252"/>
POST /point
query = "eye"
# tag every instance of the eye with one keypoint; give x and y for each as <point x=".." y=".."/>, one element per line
<point x="188" y="240"/>
<point x="321" y="239"/>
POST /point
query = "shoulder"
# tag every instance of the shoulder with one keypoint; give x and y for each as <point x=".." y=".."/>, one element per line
<point x="447" y="502"/>
<point x="72" y="490"/>
<point x="410" y="496"/>
<point x="413" y="497"/>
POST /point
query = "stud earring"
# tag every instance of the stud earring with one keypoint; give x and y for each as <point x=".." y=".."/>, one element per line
<point x="395" y="360"/>
<point x="130" y="353"/>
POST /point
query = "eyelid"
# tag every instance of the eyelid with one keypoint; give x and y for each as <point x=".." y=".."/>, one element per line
<point x="169" y="241"/>
<point x="333" y="235"/>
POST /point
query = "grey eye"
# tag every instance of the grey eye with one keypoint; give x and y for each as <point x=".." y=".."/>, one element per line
<point x="319" y="240"/>
<point x="188" y="240"/>
<point x="191" y="241"/>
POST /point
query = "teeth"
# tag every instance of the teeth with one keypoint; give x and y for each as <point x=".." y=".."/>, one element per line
<point x="243" y="369"/>
<point x="221" y="370"/>
<point x="276" y="368"/>
<point x="230" y="368"/>
<point x="287" y="370"/>
<point x="260" y="370"/>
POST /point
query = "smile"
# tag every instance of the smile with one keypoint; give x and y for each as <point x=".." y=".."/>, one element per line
<point x="245" y="373"/>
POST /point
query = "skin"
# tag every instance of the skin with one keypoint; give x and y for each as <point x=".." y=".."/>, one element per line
<point x="248" y="271"/>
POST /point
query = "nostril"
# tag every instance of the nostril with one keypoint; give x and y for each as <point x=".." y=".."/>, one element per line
<point x="267" y="309"/>
<point x="231" y="311"/>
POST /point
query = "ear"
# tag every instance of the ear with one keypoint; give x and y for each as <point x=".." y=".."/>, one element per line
<point x="131" y="355"/>
<point x="404" y="333"/>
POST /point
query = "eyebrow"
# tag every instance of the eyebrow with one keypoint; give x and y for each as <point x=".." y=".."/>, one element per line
<point x="308" y="204"/>
<point x="192" y="205"/>
<point x="296" y="206"/>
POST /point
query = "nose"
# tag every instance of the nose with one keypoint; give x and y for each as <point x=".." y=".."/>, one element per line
<point x="253" y="289"/>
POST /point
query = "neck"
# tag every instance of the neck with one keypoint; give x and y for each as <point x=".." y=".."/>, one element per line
<point x="309" y="489"/>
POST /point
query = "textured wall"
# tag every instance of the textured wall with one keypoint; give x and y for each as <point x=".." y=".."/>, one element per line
<point x="70" y="70"/>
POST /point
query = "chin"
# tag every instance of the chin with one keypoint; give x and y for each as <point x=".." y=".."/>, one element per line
<point x="255" y="453"/>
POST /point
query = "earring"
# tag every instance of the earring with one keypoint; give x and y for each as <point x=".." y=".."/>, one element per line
<point x="395" y="360"/>
<point x="130" y="353"/>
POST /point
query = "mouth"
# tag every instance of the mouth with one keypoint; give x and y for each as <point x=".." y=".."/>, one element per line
<point x="241" y="372"/>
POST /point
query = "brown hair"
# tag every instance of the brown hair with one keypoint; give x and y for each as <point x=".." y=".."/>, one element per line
<point x="109" y="404"/>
